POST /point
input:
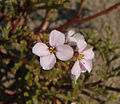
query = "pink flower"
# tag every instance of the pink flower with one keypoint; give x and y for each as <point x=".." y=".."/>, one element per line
<point x="73" y="37"/>
<point x="84" y="60"/>
<point x="57" y="47"/>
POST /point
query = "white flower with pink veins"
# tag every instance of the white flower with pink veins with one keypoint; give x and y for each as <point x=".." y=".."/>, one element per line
<point x="84" y="60"/>
<point x="57" y="47"/>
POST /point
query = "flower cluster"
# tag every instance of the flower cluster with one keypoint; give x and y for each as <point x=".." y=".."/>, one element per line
<point x="64" y="52"/>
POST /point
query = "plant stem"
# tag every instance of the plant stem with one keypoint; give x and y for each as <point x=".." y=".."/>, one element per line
<point x="77" y="20"/>
<point x="45" y="22"/>
<point x="14" y="25"/>
<point x="80" y="9"/>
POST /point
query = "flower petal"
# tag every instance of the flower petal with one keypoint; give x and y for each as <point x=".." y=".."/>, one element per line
<point x="56" y="38"/>
<point x="47" y="62"/>
<point x="83" y="69"/>
<point x="76" y="70"/>
<point x="40" y="49"/>
<point x="89" y="54"/>
<point x="86" y="64"/>
<point x="73" y="37"/>
<point x="81" y="44"/>
<point x="69" y="34"/>
<point x="78" y="37"/>
<point x="64" y="52"/>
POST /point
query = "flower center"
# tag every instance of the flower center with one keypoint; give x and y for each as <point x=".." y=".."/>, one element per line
<point x="81" y="56"/>
<point x="52" y="49"/>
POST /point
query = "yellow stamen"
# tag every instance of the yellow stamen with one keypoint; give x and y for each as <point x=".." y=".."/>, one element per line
<point x="52" y="49"/>
<point x="81" y="56"/>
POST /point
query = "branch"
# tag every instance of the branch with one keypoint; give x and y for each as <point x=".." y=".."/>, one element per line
<point x="80" y="9"/>
<point x="77" y="20"/>
<point x="45" y="22"/>
<point x="14" y="25"/>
